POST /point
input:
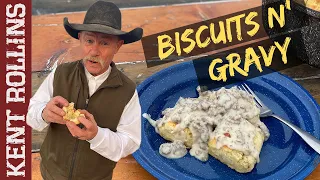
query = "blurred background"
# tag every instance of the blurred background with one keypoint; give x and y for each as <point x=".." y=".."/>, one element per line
<point x="57" y="6"/>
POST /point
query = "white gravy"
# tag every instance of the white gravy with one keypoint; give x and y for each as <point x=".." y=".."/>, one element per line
<point x="228" y="115"/>
<point x="173" y="150"/>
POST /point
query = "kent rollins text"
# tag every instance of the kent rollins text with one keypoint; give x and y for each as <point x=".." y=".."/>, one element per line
<point x="15" y="89"/>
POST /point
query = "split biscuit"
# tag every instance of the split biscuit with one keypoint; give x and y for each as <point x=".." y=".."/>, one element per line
<point x="71" y="113"/>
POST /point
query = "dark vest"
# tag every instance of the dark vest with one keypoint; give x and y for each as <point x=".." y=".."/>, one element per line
<point x="65" y="157"/>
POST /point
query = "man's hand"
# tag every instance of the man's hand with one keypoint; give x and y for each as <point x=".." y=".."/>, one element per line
<point x="90" y="129"/>
<point x="53" y="111"/>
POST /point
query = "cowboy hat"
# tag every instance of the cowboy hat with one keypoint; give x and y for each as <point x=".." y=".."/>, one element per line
<point x="103" y="17"/>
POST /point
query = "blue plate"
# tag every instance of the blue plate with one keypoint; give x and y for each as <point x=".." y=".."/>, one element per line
<point x="284" y="156"/>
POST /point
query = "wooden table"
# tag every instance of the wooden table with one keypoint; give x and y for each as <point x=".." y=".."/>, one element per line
<point x="51" y="43"/>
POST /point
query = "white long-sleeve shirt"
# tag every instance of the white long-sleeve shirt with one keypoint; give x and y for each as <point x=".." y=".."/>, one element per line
<point x="109" y="144"/>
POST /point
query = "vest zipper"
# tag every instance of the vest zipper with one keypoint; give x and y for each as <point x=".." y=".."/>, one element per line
<point x="73" y="158"/>
<point x="87" y="102"/>
<point x="76" y="149"/>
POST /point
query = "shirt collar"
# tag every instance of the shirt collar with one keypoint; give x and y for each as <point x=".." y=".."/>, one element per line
<point x="113" y="80"/>
<point x="101" y="77"/>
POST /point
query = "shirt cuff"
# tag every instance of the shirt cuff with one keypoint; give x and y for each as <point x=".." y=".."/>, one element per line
<point x="42" y="122"/>
<point x="98" y="138"/>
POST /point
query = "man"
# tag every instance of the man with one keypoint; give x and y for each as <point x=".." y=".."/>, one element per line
<point x="111" y="128"/>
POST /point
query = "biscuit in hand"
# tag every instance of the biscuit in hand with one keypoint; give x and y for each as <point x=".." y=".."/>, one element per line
<point x="71" y="113"/>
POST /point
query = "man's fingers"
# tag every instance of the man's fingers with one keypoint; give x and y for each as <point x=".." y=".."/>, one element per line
<point x="75" y="130"/>
<point x="55" y="118"/>
<point x="70" y="130"/>
<point x="57" y="110"/>
<point x="60" y="101"/>
<point x="89" y="130"/>
<point x="87" y="114"/>
<point x="87" y="123"/>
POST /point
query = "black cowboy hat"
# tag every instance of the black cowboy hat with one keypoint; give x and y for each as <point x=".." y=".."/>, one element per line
<point x="103" y="17"/>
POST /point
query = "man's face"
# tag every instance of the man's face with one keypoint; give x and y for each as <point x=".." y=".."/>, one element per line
<point x="98" y="50"/>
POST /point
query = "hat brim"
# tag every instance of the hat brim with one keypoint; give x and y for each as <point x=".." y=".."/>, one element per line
<point x="128" y="37"/>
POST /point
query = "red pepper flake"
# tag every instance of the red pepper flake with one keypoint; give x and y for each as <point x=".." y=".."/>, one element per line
<point x="227" y="134"/>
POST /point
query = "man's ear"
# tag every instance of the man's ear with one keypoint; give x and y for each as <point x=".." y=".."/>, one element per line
<point x="79" y="35"/>
<point x="119" y="44"/>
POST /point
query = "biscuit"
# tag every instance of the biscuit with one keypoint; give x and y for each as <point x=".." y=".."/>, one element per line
<point x="71" y="113"/>
<point x="236" y="159"/>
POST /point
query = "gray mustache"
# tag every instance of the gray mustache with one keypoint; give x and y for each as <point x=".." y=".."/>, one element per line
<point x="92" y="59"/>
